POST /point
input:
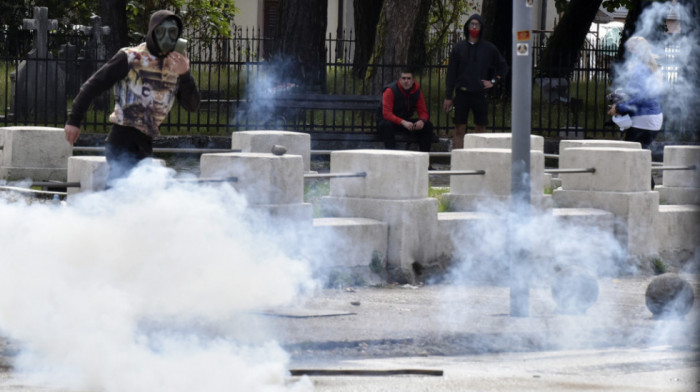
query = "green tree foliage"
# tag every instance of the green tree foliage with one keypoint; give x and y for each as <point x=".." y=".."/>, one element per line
<point x="13" y="12"/>
<point x="204" y="18"/>
<point x="443" y="18"/>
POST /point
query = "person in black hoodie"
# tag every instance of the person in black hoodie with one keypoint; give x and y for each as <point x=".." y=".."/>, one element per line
<point x="475" y="66"/>
<point x="146" y="78"/>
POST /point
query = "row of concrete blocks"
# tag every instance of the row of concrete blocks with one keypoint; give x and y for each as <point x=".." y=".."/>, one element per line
<point x="389" y="213"/>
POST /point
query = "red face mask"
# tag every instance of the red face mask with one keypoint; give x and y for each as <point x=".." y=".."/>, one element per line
<point x="474" y="33"/>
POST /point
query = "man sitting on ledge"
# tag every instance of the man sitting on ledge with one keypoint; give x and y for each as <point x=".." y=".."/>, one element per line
<point x="400" y="100"/>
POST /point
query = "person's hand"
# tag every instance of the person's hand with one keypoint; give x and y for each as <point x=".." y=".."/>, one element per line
<point x="447" y="105"/>
<point x="178" y="63"/>
<point x="487" y="83"/>
<point x="407" y="124"/>
<point x="613" y="110"/>
<point x="72" y="133"/>
<point x="418" y="125"/>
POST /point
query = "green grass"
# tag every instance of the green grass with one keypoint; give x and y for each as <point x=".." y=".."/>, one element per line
<point x="437" y="193"/>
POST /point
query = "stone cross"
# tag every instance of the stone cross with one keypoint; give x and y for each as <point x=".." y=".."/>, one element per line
<point x="38" y="84"/>
<point x="96" y="31"/>
<point x="95" y="53"/>
<point x="40" y="26"/>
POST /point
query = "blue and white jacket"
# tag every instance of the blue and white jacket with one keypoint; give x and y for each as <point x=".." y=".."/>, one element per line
<point x="643" y="107"/>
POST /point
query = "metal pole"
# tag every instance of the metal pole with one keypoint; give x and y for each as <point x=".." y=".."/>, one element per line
<point x="587" y="170"/>
<point x="456" y="172"/>
<point x="520" y="157"/>
<point x="335" y="175"/>
<point x="662" y="168"/>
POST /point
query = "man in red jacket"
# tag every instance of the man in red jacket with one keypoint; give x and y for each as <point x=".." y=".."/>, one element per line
<point x="400" y="101"/>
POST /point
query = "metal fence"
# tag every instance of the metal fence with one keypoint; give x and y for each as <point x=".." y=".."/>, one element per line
<point x="231" y="71"/>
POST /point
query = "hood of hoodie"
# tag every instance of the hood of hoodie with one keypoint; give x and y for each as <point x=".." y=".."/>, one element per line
<point x="157" y="18"/>
<point x="466" y="26"/>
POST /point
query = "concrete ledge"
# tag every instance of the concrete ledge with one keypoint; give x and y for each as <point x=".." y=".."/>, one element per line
<point x="678" y="231"/>
<point x="451" y="225"/>
<point x="296" y="213"/>
<point x="564" y="144"/>
<point x="359" y="247"/>
<point x="499" y="140"/>
<point x="457" y="203"/>
<point x="676" y="195"/>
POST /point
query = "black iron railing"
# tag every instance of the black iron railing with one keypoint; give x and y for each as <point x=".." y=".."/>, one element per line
<point x="230" y="72"/>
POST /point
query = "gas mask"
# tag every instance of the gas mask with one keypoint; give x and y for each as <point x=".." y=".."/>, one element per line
<point x="166" y="35"/>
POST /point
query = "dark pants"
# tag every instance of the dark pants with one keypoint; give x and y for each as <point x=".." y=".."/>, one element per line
<point x="387" y="132"/>
<point x="124" y="149"/>
<point x="645" y="137"/>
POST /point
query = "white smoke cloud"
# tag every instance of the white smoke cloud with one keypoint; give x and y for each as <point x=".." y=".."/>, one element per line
<point x="543" y="245"/>
<point x="116" y="290"/>
<point x="675" y="55"/>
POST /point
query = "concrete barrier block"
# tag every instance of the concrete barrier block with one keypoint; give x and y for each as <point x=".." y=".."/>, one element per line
<point x="617" y="169"/>
<point x="390" y="174"/>
<point x="499" y="140"/>
<point x="682" y="156"/>
<point x="297" y="143"/>
<point x="497" y="164"/>
<point x="412" y="228"/>
<point x="90" y="171"/>
<point x="450" y="227"/>
<point x="355" y="241"/>
<point x="635" y="212"/>
<point x="262" y="178"/>
<point x="37" y="153"/>
<point x="678" y="229"/>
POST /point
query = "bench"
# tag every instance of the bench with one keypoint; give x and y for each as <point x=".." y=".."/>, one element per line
<point x="327" y="117"/>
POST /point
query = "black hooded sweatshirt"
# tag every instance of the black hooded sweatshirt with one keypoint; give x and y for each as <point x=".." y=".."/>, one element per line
<point x="117" y="69"/>
<point x="470" y="63"/>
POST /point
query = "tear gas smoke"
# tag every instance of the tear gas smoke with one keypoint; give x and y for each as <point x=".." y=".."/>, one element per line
<point x="483" y="255"/>
<point x="115" y="291"/>
<point x="676" y="55"/>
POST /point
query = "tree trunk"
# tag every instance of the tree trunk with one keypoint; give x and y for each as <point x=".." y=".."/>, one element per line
<point x="300" y="44"/>
<point x="114" y="15"/>
<point x="559" y="57"/>
<point x="498" y="20"/>
<point x="417" y="49"/>
<point x="366" y="19"/>
<point x="395" y="32"/>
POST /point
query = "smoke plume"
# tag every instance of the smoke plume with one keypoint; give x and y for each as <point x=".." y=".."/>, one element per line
<point x="118" y="290"/>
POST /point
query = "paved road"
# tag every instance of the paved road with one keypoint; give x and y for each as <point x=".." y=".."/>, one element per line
<point x="467" y="333"/>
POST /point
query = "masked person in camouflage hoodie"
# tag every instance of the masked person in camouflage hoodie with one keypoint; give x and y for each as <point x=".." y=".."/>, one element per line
<point x="146" y="79"/>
